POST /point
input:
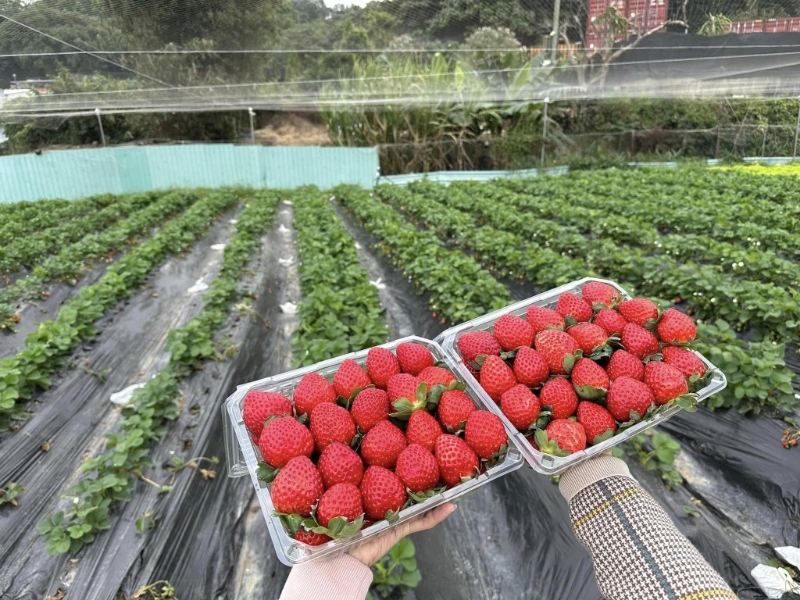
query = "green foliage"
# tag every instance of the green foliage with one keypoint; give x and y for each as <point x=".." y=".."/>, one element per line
<point x="758" y="378"/>
<point x="396" y="571"/>
<point x="715" y="25"/>
<point x="11" y="493"/>
<point x="340" y="311"/>
<point x="457" y="286"/>
<point x="656" y="451"/>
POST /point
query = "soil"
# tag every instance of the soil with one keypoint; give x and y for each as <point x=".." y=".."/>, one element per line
<point x="293" y="129"/>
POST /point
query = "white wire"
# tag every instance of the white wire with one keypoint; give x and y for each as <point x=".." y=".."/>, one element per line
<point x="82" y="51"/>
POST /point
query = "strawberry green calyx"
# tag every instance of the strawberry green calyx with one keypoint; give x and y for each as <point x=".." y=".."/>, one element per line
<point x="571" y="359"/>
<point x="347" y="402"/>
<point x="266" y="472"/>
<point x="420" y="497"/>
<point x="338" y="527"/>
<point x="698" y="382"/>
<point x="588" y="392"/>
<point x="547" y="445"/>
<point x="606" y="435"/>
<point x="404" y="406"/>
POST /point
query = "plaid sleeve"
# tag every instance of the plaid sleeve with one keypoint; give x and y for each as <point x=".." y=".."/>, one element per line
<point x="637" y="551"/>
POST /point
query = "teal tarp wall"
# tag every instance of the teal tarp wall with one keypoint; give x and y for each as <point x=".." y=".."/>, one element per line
<point x="74" y="174"/>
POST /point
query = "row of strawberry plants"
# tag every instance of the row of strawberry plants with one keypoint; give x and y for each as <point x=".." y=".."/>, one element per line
<point x="30" y="250"/>
<point x="110" y="478"/>
<point x="604" y="221"/>
<point x="713" y="196"/>
<point x="695" y="213"/>
<point x="769" y="309"/>
<point x="759" y="375"/>
<point x="72" y="261"/>
<point x="49" y="348"/>
<point x="340" y="311"/>
<point x="497" y="250"/>
<point x="459" y="289"/>
<point x="22" y="218"/>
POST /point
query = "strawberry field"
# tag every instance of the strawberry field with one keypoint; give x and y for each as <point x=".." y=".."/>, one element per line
<point x="176" y="297"/>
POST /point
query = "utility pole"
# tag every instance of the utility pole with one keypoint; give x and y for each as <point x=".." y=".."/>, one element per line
<point x="554" y="32"/>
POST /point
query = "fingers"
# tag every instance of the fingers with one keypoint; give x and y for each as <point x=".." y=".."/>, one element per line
<point x="430" y="519"/>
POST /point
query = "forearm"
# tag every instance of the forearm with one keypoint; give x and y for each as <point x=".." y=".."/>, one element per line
<point x="342" y="577"/>
<point x="637" y="551"/>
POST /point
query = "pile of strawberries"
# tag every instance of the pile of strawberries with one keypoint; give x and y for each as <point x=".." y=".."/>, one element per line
<point x="593" y="365"/>
<point x="344" y="454"/>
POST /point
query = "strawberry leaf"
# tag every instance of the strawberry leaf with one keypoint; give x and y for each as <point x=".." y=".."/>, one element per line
<point x="392" y="516"/>
<point x="479" y="360"/>
<point x="457" y="384"/>
<point x="266" y="472"/>
<point x="547" y="445"/>
<point x="291" y="522"/>
<point x="419" y="497"/>
<point x="339" y="527"/>
<point x="302" y="419"/>
<point x="687" y="402"/>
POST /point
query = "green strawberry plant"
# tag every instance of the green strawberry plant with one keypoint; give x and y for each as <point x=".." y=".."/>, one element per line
<point x="340" y="311"/>
<point x="457" y="287"/>
<point x="110" y="477"/>
<point x="656" y="451"/>
<point x="396" y="571"/>
<point x="11" y="493"/>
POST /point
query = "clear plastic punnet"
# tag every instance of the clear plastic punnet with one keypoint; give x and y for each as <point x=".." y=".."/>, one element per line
<point x="243" y="454"/>
<point x="540" y="461"/>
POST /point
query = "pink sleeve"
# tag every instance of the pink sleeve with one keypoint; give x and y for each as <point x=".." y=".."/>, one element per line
<point x="342" y="577"/>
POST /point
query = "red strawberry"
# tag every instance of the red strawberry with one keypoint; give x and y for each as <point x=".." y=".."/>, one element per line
<point x="597" y="422"/>
<point x="331" y="423"/>
<point x="559" y="395"/>
<point x="435" y="376"/>
<point x="542" y="318"/>
<point x="313" y="389"/>
<point x="624" y="364"/>
<point x="382" y="445"/>
<point x="403" y="385"/>
<point x="311" y="538"/>
<point x="530" y="367"/>
<point x="484" y="433"/>
<point x="423" y="429"/>
<point x="381" y="492"/>
<point x="684" y="360"/>
<point x="297" y="487"/>
<point x="520" y="406"/>
<point x="627" y="396"/>
<point x="513" y="332"/>
<point x="282" y="439"/>
<point x="496" y="377"/>
<point x="638" y="341"/>
<point x="558" y="349"/>
<point x="340" y="464"/>
<point x="341" y="500"/>
<point x="665" y="381"/>
<point x="674" y="327"/>
<point x="413" y="357"/>
<point x="417" y="468"/>
<point x="370" y="406"/>
<point x="590" y="337"/>
<point x="475" y="343"/>
<point x="589" y="379"/>
<point x="260" y="406"/>
<point x="639" y="311"/>
<point x="600" y="295"/>
<point x="381" y="364"/>
<point x="610" y="320"/>
<point x="454" y="408"/>
<point x="457" y="461"/>
<point x="349" y="378"/>
<point x="562" y="437"/>
<point x="572" y="305"/>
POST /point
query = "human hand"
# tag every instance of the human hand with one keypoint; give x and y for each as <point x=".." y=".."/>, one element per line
<point x="371" y="551"/>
